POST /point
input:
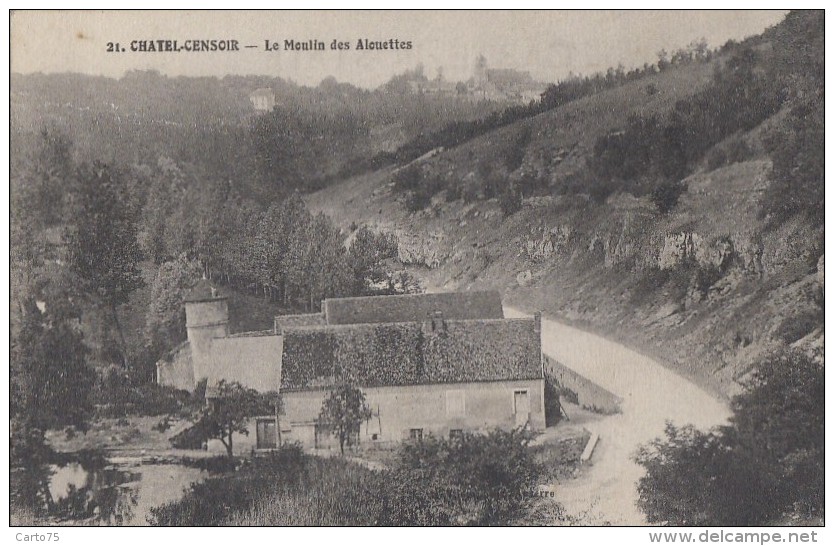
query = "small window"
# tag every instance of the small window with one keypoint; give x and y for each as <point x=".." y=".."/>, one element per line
<point x="374" y="436"/>
<point x="455" y="434"/>
<point x="416" y="434"/>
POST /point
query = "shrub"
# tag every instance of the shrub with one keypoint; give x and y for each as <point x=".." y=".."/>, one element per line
<point x="694" y="478"/>
<point x="798" y="326"/>
<point x="510" y="200"/>
<point x="797" y="151"/>
<point x="768" y="462"/>
<point x="734" y="150"/>
<point x="416" y="201"/>
<point x="514" y="154"/>
<point x="716" y="158"/>
<point x="419" y="197"/>
<point x="116" y="395"/>
<point x="213" y="500"/>
<point x="475" y="479"/>
<point x="737" y="150"/>
<point x="454" y="192"/>
<point x="407" y="178"/>
<point x="486" y="476"/>
<point x="666" y="195"/>
<point x="706" y="277"/>
<point x="471" y="191"/>
<point x="599" y="189"/>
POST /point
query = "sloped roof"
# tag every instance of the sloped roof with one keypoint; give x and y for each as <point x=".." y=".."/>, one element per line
<point x="413" y="307"/>
<point x="411" y="353"/>
<point x="295" y="321"/>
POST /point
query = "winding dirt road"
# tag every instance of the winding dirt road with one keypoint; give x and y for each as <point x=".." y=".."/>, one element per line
<point x="607" y="490"/>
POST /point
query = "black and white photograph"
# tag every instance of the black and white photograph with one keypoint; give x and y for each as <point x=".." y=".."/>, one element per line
<point x="399" y="268"/>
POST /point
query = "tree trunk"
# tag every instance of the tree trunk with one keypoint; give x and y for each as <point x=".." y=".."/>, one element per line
<point x="121" y="334"/>
<point x="229" y="449"/>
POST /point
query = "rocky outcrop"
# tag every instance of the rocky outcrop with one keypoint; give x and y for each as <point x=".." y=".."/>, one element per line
<point x="427" y="250"/>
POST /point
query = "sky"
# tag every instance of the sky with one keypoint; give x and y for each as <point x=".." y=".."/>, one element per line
<point x="549" y="44"/>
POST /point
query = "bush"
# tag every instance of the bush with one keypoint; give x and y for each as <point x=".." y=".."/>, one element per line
<point x="737" y="150"/>
<point x="666" y="196"/>
<point x="734" y="150"/>
<point x="706" y="277"/>
<point x="768" y="463"/>
<point x="510" y="200"/>
<point x="797" y="151"/>
<point x="407" y="178"/>
<point x="116" y="395"/>
<point x="486" y="476"/>
<point x="599" y="189"/>
<point x="454" y="192"/>
<point x="476" y="479"/>
<point x="694" y="478"/>
<point x="514" y="153"/>
<point x="798" y="326"/>
<point x="212" y="501"/>
<point x="417" y="200"/>
<point x="716" y="158"/>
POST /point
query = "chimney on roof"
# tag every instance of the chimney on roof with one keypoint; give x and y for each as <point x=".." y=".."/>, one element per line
<point x="436" y="320"/>
<point x="213" y="292"/>
<point x="537" y="318"/>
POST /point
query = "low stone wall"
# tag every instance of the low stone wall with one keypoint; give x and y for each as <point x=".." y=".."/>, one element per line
<point x="591" y="396"/>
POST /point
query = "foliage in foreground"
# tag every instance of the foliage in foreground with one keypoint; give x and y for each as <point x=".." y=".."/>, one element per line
<point x="474" y="479"/>
<point x="343" y="412"/>
<point x="767" y="463"/>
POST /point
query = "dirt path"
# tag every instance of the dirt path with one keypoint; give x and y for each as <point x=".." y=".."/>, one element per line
<point x="652" y="394"/>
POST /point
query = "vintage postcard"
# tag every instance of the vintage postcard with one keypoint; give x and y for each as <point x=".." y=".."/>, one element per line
<point x="418" y="268"/>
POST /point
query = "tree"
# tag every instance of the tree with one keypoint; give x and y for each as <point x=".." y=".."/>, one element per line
<point x="103" y="249"/>
<point x="797" y="151"/>
<point x="228" y="409"/>
<point x="165" y="321"/>
<point x="275" y="233"/>
<point x="366" y="257"/>
<point x="769" y="461"/>
<point x="50" y="378"/>
<point x="343" y="412"/>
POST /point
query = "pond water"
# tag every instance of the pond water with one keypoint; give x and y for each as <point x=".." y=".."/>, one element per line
<point x="115" y="494"/>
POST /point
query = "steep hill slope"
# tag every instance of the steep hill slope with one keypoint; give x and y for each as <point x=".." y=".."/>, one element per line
<point x="708" y="288"/>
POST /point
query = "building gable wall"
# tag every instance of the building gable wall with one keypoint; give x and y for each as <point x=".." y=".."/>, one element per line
<point x="253" y="361"/>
